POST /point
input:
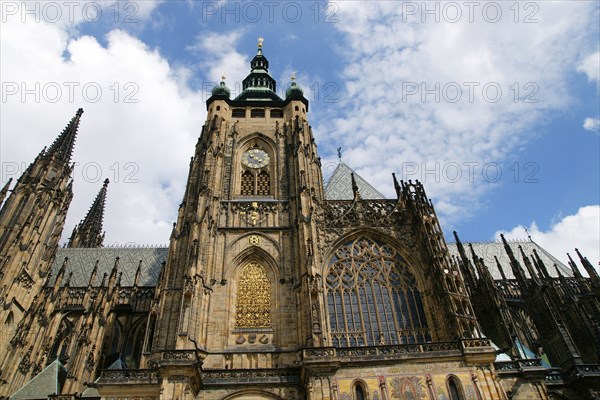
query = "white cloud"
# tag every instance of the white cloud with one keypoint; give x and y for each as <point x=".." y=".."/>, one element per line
<point x="590" y="65"/>
<point x="68" y="15"/>
<point x="592" y="124"/>
<point x="144" y="103"/>
<point x="224" y="59"/>
<point x="581" y="230"/>
<point x="403" y="77"/>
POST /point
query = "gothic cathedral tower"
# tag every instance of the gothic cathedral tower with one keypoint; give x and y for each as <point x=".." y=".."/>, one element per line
<point x="242" y="250"/>
<point x="272" y="291"/>
<point x="32" y="220"/>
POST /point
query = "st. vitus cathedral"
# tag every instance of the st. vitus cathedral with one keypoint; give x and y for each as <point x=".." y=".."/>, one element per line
<point x="275" y="286"/>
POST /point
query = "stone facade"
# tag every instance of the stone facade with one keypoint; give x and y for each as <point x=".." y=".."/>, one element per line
<point x="272" y="290"/>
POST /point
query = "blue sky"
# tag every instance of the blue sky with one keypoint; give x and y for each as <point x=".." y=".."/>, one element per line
<point x="494" y="105"/>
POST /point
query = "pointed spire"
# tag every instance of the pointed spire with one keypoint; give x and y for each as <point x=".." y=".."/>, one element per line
<point x="528" y="265"/>
<point x="138" y="274"/>
<point x="500" y="269"/>
<point x="354" y="187"/>
<point x="59" y="277"/>
<point x="88" y="233"/>
<point x="482" y="269"/>
<point x="5" y="190"/>
<point x="398" y="188"/>
<point x="588" y="267"/>
<point x="94" y="274"/>
<point x="576" y="272"/>
<point x="540" y="265"/>
<point x="560" y="275"/>
<point x="514" y="264"/>
<point x="61" y="271"/>
<point x="467" y="267"/>
<point x="62" y="148"/>
<point x="112" y="279"/>
<point x="68" y="281"/>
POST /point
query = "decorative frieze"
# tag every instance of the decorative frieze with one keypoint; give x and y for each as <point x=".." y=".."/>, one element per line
<point x="380" y="352"/>
<point x="245" y="214"/>
<point x="253" y="376"/>
<point x="129" y="376"/>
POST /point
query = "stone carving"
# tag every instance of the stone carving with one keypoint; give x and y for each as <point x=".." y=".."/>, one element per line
<point x="344" y="213"/>
<point x="177" y="355"/>
<point x="24" y="280"/>
<point x="25" y="363"/>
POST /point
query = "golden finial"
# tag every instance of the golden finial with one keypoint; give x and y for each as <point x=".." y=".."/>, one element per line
<point x="223" y="77"/>
<point x="260" y="42"/>
<point x="293" y="77"/>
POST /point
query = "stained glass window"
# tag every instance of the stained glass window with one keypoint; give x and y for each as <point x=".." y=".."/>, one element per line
<point x="253" y="301"/>
<point x="372" y="297"/>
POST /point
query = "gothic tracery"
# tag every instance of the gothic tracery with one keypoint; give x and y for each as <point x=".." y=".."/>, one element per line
<point x="372" y="297"/>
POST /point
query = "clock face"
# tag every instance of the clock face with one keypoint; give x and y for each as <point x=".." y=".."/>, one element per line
<point x="255" y="158"/>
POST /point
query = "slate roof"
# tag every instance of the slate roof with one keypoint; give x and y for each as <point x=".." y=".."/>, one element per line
<point x="48" y="381"/>
<point x="81" y="262"/>
<point x="487" y="251"/>
<point x="339" y="186"/>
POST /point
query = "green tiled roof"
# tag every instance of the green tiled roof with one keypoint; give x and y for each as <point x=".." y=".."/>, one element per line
<point x="339" y="186"/>
<point x="81" y="262"/>
<point x="48" y="381"/>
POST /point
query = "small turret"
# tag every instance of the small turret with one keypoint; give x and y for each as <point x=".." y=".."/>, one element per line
<point x="294" y="91"/>
<point x="221" y="90"/>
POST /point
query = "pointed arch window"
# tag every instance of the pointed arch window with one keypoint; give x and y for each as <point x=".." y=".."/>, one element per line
<point x="62" y="340"/>
<point x="132" y="352"/>
<point x="372" y="297"/>
<point x="454" y="388"/>
<point x="111" y="351"/>
<point x="359" y="392"/>
<point x="253" y="300"/>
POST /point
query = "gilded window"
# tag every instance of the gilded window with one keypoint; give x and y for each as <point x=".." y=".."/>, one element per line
<point x="255" y="183"/>
<point x="263" y="184"/>
<point x="253" y="302"/>
<point x="247" y="183"/>
<point x="372" y="297"/>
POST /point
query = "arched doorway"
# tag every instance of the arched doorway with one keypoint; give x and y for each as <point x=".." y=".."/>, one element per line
<point x="252" y="395"/>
